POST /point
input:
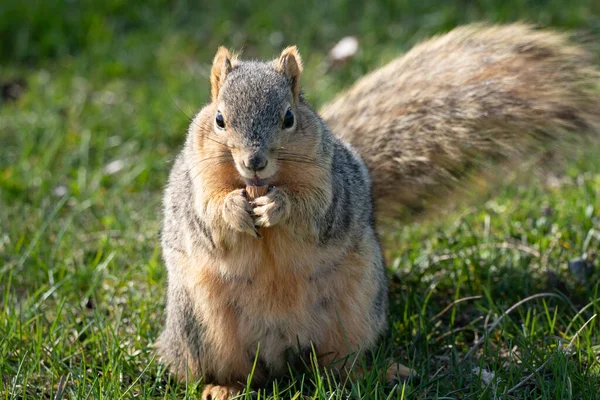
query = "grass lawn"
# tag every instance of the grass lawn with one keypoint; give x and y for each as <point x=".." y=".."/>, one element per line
<point x="107" y="91"/>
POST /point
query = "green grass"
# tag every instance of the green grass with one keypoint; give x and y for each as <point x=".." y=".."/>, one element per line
<point x="85" y="153"/>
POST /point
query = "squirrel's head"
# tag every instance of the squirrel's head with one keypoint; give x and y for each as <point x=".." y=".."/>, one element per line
<point x="258" y="117"/>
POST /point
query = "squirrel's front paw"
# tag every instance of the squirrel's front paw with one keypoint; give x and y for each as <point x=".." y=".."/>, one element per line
<point x="271" y="208"/>
<point x="237" y="212"/>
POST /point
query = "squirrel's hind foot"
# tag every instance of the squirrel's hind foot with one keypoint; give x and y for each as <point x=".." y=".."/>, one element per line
<point x="398" y="373"/>
<point x="216" y="392"/>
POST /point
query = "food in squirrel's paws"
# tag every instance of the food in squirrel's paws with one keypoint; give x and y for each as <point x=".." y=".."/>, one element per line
<point x="254" y="192"/>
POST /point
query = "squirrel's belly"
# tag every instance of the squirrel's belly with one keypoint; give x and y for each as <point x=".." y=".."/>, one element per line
<point x="275" y="317"/>
<point x="277" y="275"/>
<point x="274" y="342"/>
<point x="280" y="302"/>
<point x="281" y="297"/>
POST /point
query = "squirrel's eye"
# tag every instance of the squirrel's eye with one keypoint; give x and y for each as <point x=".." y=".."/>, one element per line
<point x="288" y="119"/>
<point x="219" y="120"/>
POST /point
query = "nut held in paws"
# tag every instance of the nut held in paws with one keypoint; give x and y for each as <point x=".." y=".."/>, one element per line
<point x="255" y="192"/>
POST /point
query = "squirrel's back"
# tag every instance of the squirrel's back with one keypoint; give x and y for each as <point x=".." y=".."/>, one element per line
<point x="477" y="93"/>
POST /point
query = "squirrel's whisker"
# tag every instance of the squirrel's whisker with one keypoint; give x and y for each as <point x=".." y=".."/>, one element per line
<point x="193" y="121"/>
<point x="226" y="157"/>
<point x="208" y="167"/>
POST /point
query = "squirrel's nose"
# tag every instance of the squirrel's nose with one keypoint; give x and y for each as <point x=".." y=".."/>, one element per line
<point x="256" y="163"/>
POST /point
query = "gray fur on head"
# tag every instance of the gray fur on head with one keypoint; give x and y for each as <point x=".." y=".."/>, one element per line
<point x="253" y="100"/>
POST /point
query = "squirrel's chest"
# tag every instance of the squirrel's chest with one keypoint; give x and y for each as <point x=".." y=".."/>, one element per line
<point x="273" y="285"/>
<point x="272" y="276"/>
<point x="278" y="266"/>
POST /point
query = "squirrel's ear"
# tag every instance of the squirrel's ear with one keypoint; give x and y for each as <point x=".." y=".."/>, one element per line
<point x="290" y="64"/>
<point x="220" y="68"/>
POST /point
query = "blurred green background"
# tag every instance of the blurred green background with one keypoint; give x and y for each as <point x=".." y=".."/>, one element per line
<point x="96" y="98"/>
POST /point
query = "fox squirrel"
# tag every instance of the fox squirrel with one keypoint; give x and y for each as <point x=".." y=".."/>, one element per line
<point x="271" y="277"/>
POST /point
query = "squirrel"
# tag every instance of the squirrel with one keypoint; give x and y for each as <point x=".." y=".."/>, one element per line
<point x="259" y="282"/>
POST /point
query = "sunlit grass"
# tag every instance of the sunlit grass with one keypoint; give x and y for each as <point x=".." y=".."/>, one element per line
<point x="85" y="152"/>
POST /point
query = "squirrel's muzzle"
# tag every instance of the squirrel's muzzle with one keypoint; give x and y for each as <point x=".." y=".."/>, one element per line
<point x="255" y="162"/>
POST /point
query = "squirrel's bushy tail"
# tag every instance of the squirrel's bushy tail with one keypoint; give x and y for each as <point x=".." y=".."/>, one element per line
<point x="476" y="94"/>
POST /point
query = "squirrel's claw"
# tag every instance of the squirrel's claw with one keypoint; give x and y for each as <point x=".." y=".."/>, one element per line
<point x="271" y="208"/>
<point x="237" y="213"/>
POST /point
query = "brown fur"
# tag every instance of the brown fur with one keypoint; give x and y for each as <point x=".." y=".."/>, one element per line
<point x="290" y="63"/>
<point x="458" y="101"/>
<point x="222" y="65"/>
<point x="281" y="281"/>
